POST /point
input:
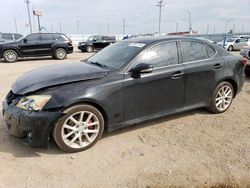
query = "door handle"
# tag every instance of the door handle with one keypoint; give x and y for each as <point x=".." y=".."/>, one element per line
<point x="217" y="66"/>
<point x="177" y="75"/>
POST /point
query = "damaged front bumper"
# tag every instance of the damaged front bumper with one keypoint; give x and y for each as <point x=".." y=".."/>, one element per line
<point x="34" y="126"/>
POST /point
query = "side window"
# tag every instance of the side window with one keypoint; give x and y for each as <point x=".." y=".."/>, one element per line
<point x="97" y="39"/>
<point x="161" y="55"/>
<point x="46" y="37"/>
<point x="211" y="51"/>
<point x="35" y="37"/>
<point x="193" y="51"/>
<point x="17" y="36"/>
<point x="7" y="36"/>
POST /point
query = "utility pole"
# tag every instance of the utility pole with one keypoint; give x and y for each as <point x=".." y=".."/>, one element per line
<point x="177" y="27"/>
<point x="34" y="24"/>
<point x="28" y="9"/>
<point x="123" y="26"/>
<point x="243" y="28"/>
<point x="77" y="26"/>
<point x="108" y="25"/>
<point x="189" y="20"/>
<point x="226" y="23"/>
<point x="60" y="27"/>
<point x="233" y="28"/>
<point x="160" y="5"/>
<point x="207" y="28"/>
<point x="15" y="24"/>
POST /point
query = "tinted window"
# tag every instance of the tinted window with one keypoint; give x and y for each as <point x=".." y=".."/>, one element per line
<point x="161" y="55"/>
<point x="7" y="36"/>
<point x="98" y="38"/>
<point x="47" y="37"/>
<point x="193" y="51"/>
<point x="33" y="38"/>
<point x="60" y="37"/>
<point x="211" y="52"/>
<point x="17" y="36"/>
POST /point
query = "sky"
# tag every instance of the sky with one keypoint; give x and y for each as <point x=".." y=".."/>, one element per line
<point x="141" y="16"/>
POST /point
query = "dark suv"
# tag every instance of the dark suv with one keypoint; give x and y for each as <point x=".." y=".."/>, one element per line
<point x="96" y="43"/>
<point x="37" y="44"/>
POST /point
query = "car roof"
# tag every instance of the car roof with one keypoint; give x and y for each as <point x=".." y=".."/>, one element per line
<point x="155" y="39"/>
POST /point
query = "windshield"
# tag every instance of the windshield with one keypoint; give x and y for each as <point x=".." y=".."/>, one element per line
<point x="90" y="38"/>
<point x="231" y="40"/>
<point x="118" y="54"/>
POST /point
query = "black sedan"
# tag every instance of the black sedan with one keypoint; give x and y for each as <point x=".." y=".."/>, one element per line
<point x="124" y="84"/>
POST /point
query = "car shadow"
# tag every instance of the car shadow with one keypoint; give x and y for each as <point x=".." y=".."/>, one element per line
<point x="14" y="145"/>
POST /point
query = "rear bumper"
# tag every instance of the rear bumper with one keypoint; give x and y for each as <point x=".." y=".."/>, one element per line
<point x="35" y="126"/>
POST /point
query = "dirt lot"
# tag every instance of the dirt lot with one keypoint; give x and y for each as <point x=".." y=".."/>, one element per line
<point x="192" y="149"/>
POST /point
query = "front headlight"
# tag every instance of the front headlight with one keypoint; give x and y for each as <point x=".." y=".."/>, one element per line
<point x="33" y="102"/>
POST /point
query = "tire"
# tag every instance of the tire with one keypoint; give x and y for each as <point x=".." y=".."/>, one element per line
<point x="222" y="98"/>
<point x="60" y="53"/>
<point x="10" y="56"/>
<point x="230" y="48"/>
<point x="71" y="135"/>
<point x="89" y="49"/>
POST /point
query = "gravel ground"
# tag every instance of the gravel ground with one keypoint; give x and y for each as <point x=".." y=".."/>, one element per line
<point x="191" y="149"/>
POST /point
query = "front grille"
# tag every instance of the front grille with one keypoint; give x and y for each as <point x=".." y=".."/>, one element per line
<point x="11" y="96"/>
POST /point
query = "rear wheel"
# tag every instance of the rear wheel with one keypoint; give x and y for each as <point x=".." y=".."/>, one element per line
<point x="90" y="49"/>
<point x="230" y="48"/>
<point x="222" y="97"/>
<point x="79" y="129"/>
<point x="60" y="53"/>
<point x="10" y="56"/>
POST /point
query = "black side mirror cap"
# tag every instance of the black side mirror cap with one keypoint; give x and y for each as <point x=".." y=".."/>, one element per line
<point x="141" y="68"/>
<point x="25" y="40"/>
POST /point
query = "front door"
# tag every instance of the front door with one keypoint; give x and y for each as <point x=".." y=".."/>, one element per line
<point x="157" y="92"/>
<point x="29" y="45"/>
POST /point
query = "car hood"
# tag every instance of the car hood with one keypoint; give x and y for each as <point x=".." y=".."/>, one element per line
<point x="55" y="75"/>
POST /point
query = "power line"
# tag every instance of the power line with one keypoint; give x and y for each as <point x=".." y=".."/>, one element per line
<point x="160" y="5"/>
<point x="28" y="9"/>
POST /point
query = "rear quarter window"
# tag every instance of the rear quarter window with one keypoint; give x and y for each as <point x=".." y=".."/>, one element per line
<point x="211" y="52"/>
<point x="193" y="51"/>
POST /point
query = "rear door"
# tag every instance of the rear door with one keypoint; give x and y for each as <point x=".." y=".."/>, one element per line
<point x="203" y="69"/>
<point x="46" y="44"/>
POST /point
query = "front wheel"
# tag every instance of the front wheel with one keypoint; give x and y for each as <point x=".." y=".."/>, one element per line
<point x="89" y="49"/>
<point x="222" y="98"/>
<point x="60" y="53"/>
<point x="10" y="56"/>
<point x="79" y="129"/>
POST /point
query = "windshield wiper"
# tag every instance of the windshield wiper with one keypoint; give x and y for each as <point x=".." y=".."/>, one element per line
<point x="99" y="64"/>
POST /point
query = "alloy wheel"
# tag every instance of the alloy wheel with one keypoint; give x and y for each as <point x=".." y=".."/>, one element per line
<point x="80" y="129"/>
<point x="223" y="98"/>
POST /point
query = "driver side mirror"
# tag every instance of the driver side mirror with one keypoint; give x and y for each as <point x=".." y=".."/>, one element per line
<point x="141" y="68"/>
<point x="237" y="41"/>
<point x="25" y="40"/>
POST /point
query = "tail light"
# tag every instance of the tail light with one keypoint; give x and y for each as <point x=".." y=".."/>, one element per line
<point x="244" y="61"/>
